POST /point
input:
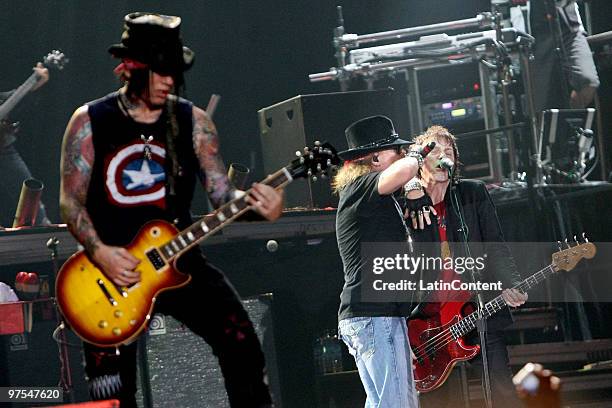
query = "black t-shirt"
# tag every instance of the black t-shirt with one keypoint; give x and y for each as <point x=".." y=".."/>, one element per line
<point x="128" y="187"/>
<point x="364" y="216"/>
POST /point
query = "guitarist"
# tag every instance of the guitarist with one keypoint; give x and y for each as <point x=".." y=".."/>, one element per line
<point x="437" y="204"/>
<point x="13" y="168"/>
<point x="133" y="156"/>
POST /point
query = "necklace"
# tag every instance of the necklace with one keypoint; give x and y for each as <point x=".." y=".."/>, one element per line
<point x="147" y="146"/>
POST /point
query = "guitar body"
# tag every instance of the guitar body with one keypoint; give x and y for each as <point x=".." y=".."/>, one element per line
<point x="106" y="315"/>
<point x="430" y="372"/>
<point x="438" y="342"/>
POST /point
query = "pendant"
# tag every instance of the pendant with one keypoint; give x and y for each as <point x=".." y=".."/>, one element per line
<point x="147" y="146"/>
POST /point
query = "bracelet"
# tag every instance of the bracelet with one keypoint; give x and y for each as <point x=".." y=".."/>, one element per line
<point x="412" y="186"/>
<point x="418" y="156"/>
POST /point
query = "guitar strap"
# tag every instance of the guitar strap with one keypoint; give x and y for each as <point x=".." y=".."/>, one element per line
<point x="172" y="133"/>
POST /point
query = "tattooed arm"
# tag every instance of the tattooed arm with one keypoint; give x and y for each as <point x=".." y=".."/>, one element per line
<point x="264" y="199"/>
<point x="77" y="160"/>
<point x="206" y="145"/>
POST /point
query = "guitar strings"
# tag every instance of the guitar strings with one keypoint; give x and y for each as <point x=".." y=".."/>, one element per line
<point x="436" y="342"/>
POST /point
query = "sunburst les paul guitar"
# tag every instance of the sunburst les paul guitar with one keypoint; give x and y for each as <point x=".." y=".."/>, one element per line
<point x="105" y="314"/>
<point x="438" y="342"/>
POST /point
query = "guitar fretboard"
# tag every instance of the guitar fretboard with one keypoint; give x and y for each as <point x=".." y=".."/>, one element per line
<point x="223" y="216"/>
<point x="18" y="95"/>
<point x="468" y="323"/>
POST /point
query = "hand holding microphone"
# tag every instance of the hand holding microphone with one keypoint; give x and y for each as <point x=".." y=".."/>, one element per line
<point x="419" y="153"/>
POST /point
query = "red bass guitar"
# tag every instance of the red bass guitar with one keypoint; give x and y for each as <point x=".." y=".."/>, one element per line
<point x="438" y="342"/>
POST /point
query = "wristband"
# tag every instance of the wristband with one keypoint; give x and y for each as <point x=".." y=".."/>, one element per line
<point x="412" y="186"/>
<point x="417" y="156"/>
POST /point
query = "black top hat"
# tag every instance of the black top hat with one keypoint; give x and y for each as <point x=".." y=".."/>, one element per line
<point x="154" y="39"/>
<point x="371" y="134"/>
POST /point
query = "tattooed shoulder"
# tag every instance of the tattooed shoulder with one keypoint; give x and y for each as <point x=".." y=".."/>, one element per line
<point x="78" y="151"/>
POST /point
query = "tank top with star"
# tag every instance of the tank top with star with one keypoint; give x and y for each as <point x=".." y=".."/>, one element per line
<point x="128" y="185"/>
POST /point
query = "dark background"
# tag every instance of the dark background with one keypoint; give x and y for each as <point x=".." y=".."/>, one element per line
<point x="253" y="54"/>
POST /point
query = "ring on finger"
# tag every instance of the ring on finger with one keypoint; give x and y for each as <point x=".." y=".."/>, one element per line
<point x="426" y="210"/>
<point x="412" y="214"/>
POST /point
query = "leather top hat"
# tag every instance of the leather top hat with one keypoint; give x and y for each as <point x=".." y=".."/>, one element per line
<point x="154" y="39"/>
<point x="371" y="134"/>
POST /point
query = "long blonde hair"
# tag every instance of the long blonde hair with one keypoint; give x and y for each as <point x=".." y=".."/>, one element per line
<point x="351" y="171"/>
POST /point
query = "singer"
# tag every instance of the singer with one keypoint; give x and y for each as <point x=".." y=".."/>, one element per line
<point x="375" y="169"/>
<point x="460" y="215"/>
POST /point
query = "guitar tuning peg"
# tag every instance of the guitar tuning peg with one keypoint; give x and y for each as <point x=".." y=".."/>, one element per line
<point x="567" y="244"/>
<point x="576" y="240"/>
<point x="328" y="162"/>
<point x="309" y="172"/>
<point x="584" y="237"/>
<point x="559" y="246"/>
<point x="302" y="160"/>
<point x="311" y="156"/>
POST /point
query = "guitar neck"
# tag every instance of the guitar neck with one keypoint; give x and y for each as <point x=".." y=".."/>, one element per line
<point x="18" y="95"/>
<point x="223" y="216"/>
<point x="468" y="323"/>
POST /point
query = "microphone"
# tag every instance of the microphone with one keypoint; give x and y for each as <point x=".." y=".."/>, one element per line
<point x="425" y="150"/>
<point x="446" y="163"/>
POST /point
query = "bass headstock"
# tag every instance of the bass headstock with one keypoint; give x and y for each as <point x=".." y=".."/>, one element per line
<point x="313" y="162"/>
<point x="55" y="59"/>
<point x="567" y="259"/>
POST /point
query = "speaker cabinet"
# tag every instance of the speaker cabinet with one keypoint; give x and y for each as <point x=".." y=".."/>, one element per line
<point x="31" y="359"/>
<point x="291" y="125"/>
<point x="178" y="369"/>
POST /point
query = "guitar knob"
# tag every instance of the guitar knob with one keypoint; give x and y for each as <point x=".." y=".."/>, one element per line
<point x="116" y="331"/>
<point x="102" y="324"/>
<point x="118" y="313"/>
<point x="133" y="322"/>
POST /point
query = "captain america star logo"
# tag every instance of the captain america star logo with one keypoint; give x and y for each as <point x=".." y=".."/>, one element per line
<point x="132" y="179"/>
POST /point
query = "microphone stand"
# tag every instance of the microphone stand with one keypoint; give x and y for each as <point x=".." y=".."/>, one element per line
<point x="65" y="372"/>
<point x="481" y="323"/>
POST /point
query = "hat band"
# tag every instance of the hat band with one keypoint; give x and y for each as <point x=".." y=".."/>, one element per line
<point x="128" y="65"/>
<point x="380" y="142"/>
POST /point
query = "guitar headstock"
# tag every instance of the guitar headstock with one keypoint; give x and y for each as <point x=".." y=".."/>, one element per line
<point x="314" y="162"/>
<point x="567" y="259"/>
<point x="55" y="59"/>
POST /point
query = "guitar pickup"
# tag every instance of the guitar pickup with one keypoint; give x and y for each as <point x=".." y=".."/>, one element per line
<point x="155" y="258"/>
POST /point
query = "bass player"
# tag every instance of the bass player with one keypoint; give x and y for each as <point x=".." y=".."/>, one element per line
<point x="441" y="208"/>
<point x="13" y="168"/>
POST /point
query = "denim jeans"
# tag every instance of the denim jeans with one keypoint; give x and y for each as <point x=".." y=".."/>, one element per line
<point x="382" y="353"/>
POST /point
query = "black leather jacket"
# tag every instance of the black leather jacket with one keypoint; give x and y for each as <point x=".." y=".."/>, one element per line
<point x="469" y="201"/>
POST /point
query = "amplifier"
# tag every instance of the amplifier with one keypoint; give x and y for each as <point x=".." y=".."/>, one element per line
<point x="178" y="369"/>
<point x="290" y="125"/>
